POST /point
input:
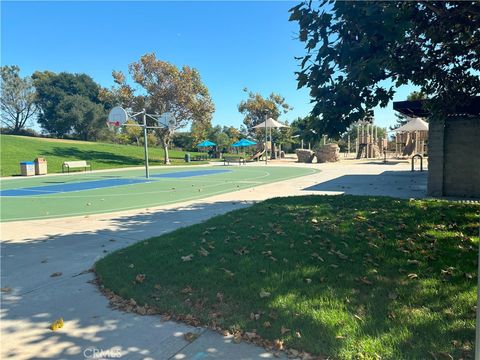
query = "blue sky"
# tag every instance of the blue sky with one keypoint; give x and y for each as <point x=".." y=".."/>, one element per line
<point x="233" y="45"/>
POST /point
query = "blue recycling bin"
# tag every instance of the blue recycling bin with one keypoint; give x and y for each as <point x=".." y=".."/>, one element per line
<point x="27" y="168"/>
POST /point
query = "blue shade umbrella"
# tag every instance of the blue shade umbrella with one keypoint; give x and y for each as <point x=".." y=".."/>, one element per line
<point x="206" y="143"/>
<point x="244" y="142"/>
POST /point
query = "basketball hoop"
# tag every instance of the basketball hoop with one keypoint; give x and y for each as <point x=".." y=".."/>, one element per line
<point x="167" y="120"/>
<point x="117" y="116"/>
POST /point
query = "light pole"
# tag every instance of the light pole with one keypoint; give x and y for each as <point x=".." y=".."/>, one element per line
<point x="145" y="143"/>
<point x="266" y="148"/>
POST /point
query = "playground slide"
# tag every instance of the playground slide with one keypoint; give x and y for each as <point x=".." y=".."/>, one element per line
<point x="256" y="156"/>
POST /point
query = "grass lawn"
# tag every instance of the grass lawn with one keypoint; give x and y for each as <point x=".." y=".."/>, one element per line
<point x="340" y="276"/>
<point x="15" y="149"/>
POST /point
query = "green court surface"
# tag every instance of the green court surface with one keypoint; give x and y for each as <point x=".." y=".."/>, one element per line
<point x="104" y="192"/>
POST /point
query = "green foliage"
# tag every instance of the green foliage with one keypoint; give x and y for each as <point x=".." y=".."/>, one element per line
<point x="304" y="130"/>
<point x="342" y="277"/>
<point x="183" y="140"/>
<point x="354" y="47"/>
<point x="17" y="100"/>
<point x="257" y="108"/>
<point x="69" y="104"/>
<point x="166" y="89"/>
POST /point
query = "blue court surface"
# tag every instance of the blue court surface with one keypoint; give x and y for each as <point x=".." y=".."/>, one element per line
<point x="99" y="184"/>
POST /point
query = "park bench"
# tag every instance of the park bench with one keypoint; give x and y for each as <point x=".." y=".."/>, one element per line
<point x="200" y="158"/>
<point x="229" y="159"/>
<point x="80" y="164"/>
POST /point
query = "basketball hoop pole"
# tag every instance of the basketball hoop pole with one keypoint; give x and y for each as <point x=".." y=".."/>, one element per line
<point x="119" y="116"/>
<point x="145" y="143"/>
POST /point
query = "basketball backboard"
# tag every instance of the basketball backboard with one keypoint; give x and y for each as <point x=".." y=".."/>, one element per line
<point x="117" y="116"/>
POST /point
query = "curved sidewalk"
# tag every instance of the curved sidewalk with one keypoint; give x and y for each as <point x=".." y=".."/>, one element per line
<point x="34" y="250"/>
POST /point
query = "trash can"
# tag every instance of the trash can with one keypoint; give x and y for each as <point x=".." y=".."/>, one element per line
<point x="187" y="157"/>
<point x="40" y="166"/>
<point x="27" y="168"/>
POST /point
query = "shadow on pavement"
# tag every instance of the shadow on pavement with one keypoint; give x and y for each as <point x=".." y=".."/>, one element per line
<point x="34" y="298"/>
<point x="401" y="184"/>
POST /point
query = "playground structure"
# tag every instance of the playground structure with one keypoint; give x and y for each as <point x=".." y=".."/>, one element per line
<point x="368" y="145"/>
<point x="411" y="138"/>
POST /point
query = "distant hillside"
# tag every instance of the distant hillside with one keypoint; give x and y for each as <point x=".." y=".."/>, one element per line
<point x="15" y="149"/>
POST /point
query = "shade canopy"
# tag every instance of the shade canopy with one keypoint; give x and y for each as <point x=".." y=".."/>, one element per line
<point x="269" y="123"/>
<point x="244" y="142"/>
<point x="416" y="124"/>
<point x="206" y="143"/>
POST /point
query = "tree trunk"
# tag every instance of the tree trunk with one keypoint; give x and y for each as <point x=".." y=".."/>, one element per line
<point x="165" y="139"/>
<point x="167" y="158"/>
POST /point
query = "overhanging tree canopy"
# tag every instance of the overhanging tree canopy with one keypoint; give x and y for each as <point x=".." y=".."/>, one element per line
<point x="358" y="53"/>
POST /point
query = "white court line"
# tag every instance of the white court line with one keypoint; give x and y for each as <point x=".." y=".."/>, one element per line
<point x="200" y="196"/>
<point x="218" y="182"/>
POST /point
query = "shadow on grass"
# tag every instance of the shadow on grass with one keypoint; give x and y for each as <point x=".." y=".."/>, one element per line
<point x="395" y="278"/>
<point x="365" y="304"/>
<point x="96" y="156"/>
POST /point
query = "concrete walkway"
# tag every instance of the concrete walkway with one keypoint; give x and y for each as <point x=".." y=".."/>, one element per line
<point x="34" y="250"/>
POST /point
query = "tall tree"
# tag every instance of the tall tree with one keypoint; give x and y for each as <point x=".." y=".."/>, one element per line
<point x="169" y="89"/>
<point x="17" y="99"/>
<point x="61" y="99"/>
<point x="256" y="108"/>
<point x="358" y="53"/>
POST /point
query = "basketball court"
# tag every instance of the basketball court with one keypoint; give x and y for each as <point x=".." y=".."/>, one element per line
<point x="104" y="192"/>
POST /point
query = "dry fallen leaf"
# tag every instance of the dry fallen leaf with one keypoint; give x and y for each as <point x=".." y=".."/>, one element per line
<point x="284" y="330"/>
<point x="264" y="294"/>
<point x="441" y="355"/>
<point x="57" y="324"/>
<point x="237" y="338"/>
<point x="267" y="324"/>
<point x="187" y="290"/>
<point x="203" y="252"/>
<point x="316" y="256"/>
<point x="157" y="286"/>
<point x="254" y="316"/>
<point x="278" y="344"/>
<point x="412" y="276"/>
<point x="140" y="278"/>
<point x="6" y="289"/>
<point x="189" y="336"/>
<point x="55" y="274"/>
<point x="228" y="272"/>
<point x="187" y="257"/>
<point x="219" y="297"/>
